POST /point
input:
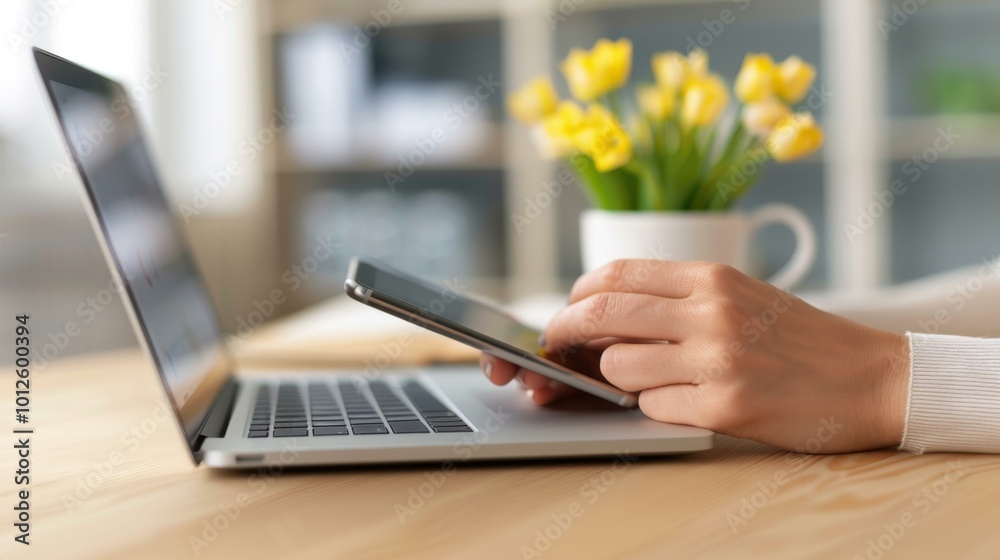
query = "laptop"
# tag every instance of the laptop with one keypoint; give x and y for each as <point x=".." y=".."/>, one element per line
<point x="246" y="420"/>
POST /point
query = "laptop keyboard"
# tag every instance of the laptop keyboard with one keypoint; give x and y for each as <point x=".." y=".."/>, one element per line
<point x="416" y="411"/>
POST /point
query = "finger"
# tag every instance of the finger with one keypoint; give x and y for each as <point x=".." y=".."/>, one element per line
<point x="550" y="393"/>
<point x="498" y="371"/>
<point x="532" y="380"/>
<point x="673" y="404"/>
<point x="667" y="279"/>
<point x="634" y="367"/>
<point x="621" y="315"/>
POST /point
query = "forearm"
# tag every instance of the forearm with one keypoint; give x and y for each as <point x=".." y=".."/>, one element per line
<point x="954" y="395"/>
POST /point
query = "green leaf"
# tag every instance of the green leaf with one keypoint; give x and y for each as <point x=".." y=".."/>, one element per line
<point x="608" y="191"/>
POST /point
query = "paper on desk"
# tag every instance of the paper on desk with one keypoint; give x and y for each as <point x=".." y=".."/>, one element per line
<point x="341" y="331"/>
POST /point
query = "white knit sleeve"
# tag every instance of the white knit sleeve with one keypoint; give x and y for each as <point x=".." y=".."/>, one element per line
<point x="954" y="401"/>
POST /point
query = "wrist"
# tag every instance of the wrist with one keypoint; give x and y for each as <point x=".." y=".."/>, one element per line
<point x="892" y="374"/>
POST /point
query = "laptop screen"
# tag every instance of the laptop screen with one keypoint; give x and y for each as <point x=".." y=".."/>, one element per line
<point x="164" y="289"/>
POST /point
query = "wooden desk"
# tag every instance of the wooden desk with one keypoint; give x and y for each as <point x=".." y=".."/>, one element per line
<point x="154" y="502"/>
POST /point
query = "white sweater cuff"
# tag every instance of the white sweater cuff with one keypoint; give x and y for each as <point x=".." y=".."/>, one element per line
<point x="954" y="402"/>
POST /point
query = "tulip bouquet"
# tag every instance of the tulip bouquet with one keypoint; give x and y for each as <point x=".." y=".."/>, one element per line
<point x="670" y="153"/>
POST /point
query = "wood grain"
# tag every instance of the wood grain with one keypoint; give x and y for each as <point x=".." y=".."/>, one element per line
<point x="154" y="502"/>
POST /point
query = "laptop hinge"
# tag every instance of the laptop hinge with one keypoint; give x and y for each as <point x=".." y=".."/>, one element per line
<point x="218" y="418"/>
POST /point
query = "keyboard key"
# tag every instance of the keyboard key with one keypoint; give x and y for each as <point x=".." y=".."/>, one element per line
<point x="290" y="432"/>
<point x="444" y="429"/>
<point x="408" y="427"/>
<point x="331" y="431"/>
<point x="422" y="398"/>
<point x="258" y="433"/>
<point x="360" y="421"/>
<point x="259" y="426"/>
<point x="302" y="424"/>
<point x="444" y="421"/>
<point x="445" y="414"/>
<point x="327" y="424"/>
<point x="370" y="429"/>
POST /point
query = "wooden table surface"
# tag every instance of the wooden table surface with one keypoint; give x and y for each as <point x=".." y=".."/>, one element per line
<point x="111" y="479"/>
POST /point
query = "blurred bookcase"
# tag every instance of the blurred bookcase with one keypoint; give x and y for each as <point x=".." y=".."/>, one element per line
<point x="403" y="63"/>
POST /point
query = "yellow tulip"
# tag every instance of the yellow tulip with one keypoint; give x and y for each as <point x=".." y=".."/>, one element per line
<point x="793" y="79"/>
<point x="604" y="140"/>
<point x="656" y="102"/>
<point x="755" y="82"/>
<point x="795" y="137"/>
<point x="534" y="101"/>
<point x="640" y="131"/>
<point x="560" y="128"/>
<point x="673" y="70"/>
<point x="704" y="100"/>
<point x="697" y="63"/>
<point x="670" y="70"/>
<point x="760" y="118"/>
<point x="591" y="74"/>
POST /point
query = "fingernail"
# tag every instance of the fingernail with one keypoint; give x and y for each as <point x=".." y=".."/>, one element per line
<point x="520" y="380"/>
<point x="488" y="370"/>
<point x="531" y="394"/>
<point x="541" y="340"/>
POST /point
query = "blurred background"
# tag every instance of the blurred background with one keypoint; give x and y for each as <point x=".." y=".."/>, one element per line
<point x="379" y="126"/>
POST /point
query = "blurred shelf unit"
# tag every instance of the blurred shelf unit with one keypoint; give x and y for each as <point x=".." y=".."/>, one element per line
<point x="948" y="137"/>
<point x="382" y="13"/>
<point x="396" y="145"/>
<point x="487" y="156"/>
<point x="402" y="63"/>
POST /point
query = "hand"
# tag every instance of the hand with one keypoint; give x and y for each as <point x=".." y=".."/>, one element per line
<point x="705" y="345"/>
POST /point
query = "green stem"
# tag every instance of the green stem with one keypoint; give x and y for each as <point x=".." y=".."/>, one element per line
<point x="650" y="195"/>
<point x="720" y="200"/>
<point x="607" y="191"/>
<point x="708" y="190"/>
<point x="614" y="104"/>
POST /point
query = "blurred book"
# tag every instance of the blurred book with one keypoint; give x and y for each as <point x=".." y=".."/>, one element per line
<point x="324" y="84"/>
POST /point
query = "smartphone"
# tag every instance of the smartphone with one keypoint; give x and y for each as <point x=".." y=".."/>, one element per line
<point x="443" y="309"/>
